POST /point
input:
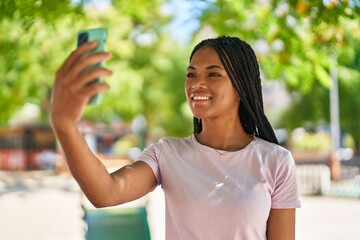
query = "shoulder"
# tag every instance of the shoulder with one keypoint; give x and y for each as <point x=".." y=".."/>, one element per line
<point x="174" y="142"/>
<point x="272" y="154"/>
<point x="170" y="143"/>
<point x="270" y="148"/>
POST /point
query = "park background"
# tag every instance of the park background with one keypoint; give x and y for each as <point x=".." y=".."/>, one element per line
<point x="308" y="51"/>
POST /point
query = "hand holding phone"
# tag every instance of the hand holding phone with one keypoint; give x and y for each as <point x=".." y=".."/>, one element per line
<point x="88" y="35"/>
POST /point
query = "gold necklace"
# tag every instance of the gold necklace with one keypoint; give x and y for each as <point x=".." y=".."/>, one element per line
<point x="223" y="152"/>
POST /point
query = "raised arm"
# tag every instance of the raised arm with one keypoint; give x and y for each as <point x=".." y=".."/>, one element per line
<point x="69" y="98"/>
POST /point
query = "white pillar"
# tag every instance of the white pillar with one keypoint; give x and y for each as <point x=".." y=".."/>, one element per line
<point x="335" y="165"/>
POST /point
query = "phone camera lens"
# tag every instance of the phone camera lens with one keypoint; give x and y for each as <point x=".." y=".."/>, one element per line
<point x="83" y="38"/>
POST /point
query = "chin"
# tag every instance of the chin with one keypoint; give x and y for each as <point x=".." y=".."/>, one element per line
<point x="197" y="115"/>
<point x="200" y="113"/>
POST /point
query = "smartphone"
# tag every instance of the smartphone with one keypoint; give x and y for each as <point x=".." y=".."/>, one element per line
<point x="88" y="35"/>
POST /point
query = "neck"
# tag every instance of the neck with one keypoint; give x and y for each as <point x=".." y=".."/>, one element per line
<point x="228" y="137"/>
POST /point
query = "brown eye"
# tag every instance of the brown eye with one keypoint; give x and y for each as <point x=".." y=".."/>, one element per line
<point x="214" y="75"/>
<point x="190" y="75"/>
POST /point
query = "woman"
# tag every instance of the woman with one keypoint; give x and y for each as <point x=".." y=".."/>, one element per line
<point x="230" y="180"/>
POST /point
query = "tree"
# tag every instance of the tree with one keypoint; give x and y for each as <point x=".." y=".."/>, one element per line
<point x="148" y="74"/>
<point x="28" y="32"/>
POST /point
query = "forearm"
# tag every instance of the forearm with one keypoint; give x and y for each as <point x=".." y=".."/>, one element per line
<point x="88" y="171"/>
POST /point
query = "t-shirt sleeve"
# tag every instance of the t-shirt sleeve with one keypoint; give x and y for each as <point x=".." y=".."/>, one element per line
<point x="285" y="194"/>
<point x="151" y="157"/>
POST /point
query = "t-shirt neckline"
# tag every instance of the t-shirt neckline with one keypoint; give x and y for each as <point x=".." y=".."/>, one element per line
<point x="207" y="148"/>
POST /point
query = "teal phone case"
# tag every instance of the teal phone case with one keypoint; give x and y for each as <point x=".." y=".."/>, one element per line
<point x="88" y="35"/>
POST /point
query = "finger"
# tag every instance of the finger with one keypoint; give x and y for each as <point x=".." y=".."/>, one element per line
<point x="80" y="68"/>
<point x="94" y="89"/>
<point x="89" y="61"/>
<point x="90" y="75"/>
<point x="79" y="53"/>
<point x="75" y="56"/>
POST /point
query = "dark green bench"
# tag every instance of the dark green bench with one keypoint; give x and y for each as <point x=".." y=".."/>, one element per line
<point x="117" y="223"/>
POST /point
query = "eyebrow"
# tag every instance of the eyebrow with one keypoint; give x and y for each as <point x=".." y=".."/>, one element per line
<point x="208" y="67"/>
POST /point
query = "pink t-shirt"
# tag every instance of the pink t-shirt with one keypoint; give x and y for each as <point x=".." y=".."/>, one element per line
<point x="213" y="194"/>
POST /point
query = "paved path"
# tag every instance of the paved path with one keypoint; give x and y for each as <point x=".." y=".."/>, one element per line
<point x="51" y="210"/>
<point x="41" y="215"/>
<point x="325" y="218"/>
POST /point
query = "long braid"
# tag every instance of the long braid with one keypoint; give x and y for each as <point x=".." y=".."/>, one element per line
<point x="241" y="65"/>
<point x="197" y="125"/>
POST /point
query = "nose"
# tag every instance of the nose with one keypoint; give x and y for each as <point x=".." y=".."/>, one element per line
<point x="198" y="83"/>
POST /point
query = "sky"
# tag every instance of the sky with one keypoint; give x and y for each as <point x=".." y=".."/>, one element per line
<point x="186" y="13"/>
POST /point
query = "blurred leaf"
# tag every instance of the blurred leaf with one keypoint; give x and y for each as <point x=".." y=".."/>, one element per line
<point x="322" y="75"/>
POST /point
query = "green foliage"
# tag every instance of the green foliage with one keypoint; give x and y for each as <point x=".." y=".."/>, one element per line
<point x="29" y="11"/>
<point x="32" y="41"/>
<point x="349" y="86"/>
<point x="28" y="60"/>
<point x="329" y="11"/>
<point x="149" y="68"/>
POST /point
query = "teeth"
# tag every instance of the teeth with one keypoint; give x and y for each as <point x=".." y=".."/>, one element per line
<point x="200" y="98"/>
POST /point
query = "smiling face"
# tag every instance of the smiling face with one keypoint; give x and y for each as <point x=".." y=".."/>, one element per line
<point x="209" y="91"/>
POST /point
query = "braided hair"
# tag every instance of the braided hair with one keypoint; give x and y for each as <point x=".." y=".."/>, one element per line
<point x="241" y="65"/>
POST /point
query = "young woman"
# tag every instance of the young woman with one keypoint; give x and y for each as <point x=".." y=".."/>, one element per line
<point x="229" y="180"/>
